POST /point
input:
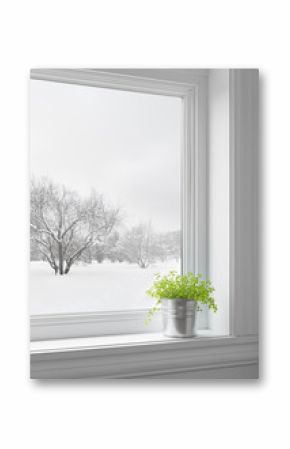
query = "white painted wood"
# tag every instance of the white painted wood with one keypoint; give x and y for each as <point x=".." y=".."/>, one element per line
<point x="194" y="181"/>
<point x="146" y="359"/>
<point x="188" y="76"/>
<point x="105" y="341"/>
<point x="110" y="80"/>
<point x="218" y="196"/>
<point x="191" y="86"/>
<point x="244" y="210"/>
<point x="231" y="372"/>
<point x="91" y="324"/>
<point x="194" y="187"/>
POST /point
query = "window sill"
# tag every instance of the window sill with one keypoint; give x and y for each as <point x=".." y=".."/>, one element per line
<point x="139" y="355"/>
<point x="67" y="344"/>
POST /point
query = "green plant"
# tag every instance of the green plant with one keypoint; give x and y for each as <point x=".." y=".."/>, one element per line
<point x="185" y="286"/>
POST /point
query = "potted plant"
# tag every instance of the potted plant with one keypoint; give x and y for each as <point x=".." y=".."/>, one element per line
<point x="179" y="297"/>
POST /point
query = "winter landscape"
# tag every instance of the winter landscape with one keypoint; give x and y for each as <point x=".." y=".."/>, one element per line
<point x="105" y="213"/>
<point x="82" y="254"/>
<point x="105" y="287"/>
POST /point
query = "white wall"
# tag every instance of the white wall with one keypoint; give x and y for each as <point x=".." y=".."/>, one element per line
<point x="245" y="162"/>
<point x="218" y="195"/>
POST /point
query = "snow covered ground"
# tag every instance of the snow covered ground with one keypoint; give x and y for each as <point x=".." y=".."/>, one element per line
<point x="96" y="287"/>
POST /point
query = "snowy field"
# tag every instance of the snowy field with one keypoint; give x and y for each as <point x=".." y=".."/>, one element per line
<point x="96" y="287"/>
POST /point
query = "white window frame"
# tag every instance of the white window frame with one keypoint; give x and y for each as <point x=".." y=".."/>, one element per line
<point x="193" y="197"/>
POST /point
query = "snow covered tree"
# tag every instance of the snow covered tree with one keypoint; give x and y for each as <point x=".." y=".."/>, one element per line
<point x="64" y="225"/>
<point x="139" y="245"/>
<point x="168" y="244"/>
<point x="113" y="248"/>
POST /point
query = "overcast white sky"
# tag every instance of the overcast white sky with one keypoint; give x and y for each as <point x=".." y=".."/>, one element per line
<point x="125" y="145"/>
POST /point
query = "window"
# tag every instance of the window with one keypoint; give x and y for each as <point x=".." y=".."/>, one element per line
<point x="219" y="227"/>
<point x="114" y="192"/>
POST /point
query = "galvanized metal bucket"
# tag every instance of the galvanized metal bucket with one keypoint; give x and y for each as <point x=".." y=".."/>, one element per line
<point x="178" y="317"/>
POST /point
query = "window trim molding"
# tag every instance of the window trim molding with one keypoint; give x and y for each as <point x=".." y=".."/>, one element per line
<point x="110" y="80"/>
<point x="148" y="359"/>
<point x="91" y="324"/>
<point x="193" y="193"/>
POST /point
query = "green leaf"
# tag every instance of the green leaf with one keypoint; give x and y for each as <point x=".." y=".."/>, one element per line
<point x="186" y="286"/>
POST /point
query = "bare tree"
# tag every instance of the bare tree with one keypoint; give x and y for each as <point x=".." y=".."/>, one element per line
<point x="168" y="245"/>
<point x="108" y="249"/>
<point x="139" y="245"/>
<point x="64" y="225"/>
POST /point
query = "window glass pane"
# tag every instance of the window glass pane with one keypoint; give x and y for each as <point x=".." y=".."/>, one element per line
<point x="105" y="196"/>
